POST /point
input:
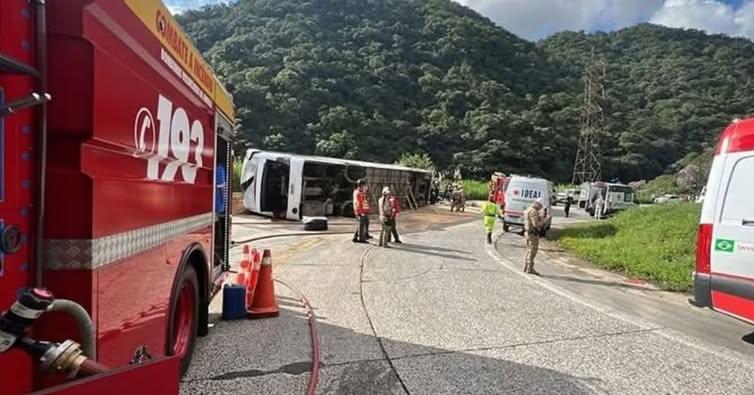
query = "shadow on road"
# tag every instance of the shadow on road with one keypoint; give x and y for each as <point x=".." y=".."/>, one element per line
<point x="749" y="338"/>
<point x="419" y="246"/>
<point x="427" y="250"/>
<point x="355" y="363"/>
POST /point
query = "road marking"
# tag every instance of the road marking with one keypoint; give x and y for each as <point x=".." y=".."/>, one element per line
<point x="670" y="334"/>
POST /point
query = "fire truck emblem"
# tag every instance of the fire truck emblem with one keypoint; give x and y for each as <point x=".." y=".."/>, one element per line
<point x="173" y="145"/>
<point x="144" y="134"/>
<point x="161" y="22"/>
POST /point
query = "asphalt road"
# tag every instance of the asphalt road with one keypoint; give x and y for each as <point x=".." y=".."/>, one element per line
<point x="446" y="313"/>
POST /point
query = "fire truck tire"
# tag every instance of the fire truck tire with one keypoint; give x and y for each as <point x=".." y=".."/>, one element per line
<point x="184" y="316"/>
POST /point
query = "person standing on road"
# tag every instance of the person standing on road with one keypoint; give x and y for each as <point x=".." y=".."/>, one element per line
<point x="533" y="224"/>
<point x="386" y="216"/>
<point x="599" y="206"/>
<point x="458" y="199"/>
<point x="567" y="208"/>
<point x="490" y="210"/>
<point x="395" y="204"/>
<point x="434" y="193"/>
<point x="361" y="211"/>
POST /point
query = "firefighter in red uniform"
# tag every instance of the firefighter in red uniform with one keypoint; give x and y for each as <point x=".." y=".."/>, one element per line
<point x="361" y="211"/>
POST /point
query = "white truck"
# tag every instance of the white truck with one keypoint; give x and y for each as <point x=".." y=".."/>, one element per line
<point x="520" y="193"/>
<point x="724" y="274"/>
<point x="617" y="197"/>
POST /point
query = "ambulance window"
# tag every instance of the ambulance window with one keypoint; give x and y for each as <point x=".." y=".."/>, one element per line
<point x="740" y="195"/>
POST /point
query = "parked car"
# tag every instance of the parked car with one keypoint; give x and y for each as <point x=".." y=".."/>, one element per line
<point x="667" y="198"/>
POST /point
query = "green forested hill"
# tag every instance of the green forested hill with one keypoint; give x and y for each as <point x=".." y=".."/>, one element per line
<point x="670" y="91"/>
<point x="374" y="79"/>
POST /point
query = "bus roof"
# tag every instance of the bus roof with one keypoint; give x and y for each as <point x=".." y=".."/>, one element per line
<point x="165" y="28"/>
<point x="338" y="161"/>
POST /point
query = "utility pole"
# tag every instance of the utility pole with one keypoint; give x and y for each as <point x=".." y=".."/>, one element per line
<point x="587" y="167"/>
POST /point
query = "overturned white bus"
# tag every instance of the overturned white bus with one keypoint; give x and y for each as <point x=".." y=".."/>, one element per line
<point x="291" y="186"/>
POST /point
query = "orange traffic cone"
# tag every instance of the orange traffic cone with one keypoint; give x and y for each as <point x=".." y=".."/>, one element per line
<point x="264" y="304"/>
<point x="252" y="276"/>
<point x="244" y="272"/>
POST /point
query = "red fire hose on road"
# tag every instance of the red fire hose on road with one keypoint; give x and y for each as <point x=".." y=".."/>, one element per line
<point x="314" y="377"/>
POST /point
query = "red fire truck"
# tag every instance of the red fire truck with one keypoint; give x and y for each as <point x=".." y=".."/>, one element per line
<point x="114" y="158"/>
<point x="498" y="185"/>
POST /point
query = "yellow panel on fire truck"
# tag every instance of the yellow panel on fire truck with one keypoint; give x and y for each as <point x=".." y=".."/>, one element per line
<point x="161" y="23"/>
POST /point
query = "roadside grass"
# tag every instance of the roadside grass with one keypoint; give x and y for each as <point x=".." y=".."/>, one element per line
<point x="475" y="190"/>
<point x="654" y="243"/>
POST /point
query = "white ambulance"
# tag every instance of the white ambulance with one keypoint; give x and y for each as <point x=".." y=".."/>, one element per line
<point x="521" y="192"/>
<point x="724" y="275"/>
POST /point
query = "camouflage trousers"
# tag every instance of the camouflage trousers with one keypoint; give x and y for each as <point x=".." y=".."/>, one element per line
<point x="532" y="246"/>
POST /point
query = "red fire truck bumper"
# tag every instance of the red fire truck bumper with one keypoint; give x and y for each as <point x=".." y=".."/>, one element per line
<point x="161" y="376"/>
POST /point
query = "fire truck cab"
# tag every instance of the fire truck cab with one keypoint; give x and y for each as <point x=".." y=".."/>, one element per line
<point x="115" y="154"/>
<point x="724" y="275"/>
<point x="497" y="186"/>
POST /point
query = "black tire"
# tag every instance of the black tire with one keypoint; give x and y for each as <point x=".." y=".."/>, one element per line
<point x="506" y="227"/>
<point x="188" y="276"/>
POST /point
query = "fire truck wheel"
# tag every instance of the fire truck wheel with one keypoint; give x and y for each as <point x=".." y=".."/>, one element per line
<point x="184" y="317"/>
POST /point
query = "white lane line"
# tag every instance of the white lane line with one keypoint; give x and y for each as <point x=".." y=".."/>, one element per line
<point x="670" y="334"/>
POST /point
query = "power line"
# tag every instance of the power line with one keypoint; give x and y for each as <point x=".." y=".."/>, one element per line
<point x="587" y="167"/>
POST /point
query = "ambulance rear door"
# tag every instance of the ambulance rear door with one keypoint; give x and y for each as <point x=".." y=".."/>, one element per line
<point x="732" y="255"/>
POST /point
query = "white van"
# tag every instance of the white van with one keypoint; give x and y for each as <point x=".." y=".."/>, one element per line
<point x="520" y="194"/>
<point x="724" y="275"/>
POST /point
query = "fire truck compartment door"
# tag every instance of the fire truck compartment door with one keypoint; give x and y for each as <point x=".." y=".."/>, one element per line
<point x="160" y="376"/>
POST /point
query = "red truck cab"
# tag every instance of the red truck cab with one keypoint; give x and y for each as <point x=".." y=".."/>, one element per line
<point x="129" y="215"/>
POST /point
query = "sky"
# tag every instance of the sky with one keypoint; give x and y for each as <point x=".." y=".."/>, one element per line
<point x="537" y="19"/>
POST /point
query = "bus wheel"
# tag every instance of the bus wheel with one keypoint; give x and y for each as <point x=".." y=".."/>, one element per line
<point x="184" y="317"/>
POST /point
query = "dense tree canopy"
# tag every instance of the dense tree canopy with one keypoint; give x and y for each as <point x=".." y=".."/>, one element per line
<point x="374" y="80"/>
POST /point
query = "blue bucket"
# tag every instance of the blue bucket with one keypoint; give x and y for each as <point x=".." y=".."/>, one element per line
<point x="234" y="302"/>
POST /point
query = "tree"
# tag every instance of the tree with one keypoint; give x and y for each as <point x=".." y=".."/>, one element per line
<point x="417" y="160"/>
<point x="377" y="80"/>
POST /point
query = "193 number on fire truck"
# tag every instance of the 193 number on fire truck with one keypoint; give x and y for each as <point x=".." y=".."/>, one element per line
<point x="174" y="141"/>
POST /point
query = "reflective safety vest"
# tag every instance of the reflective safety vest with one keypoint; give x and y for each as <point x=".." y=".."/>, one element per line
<point x="360" y="203"/>
<point x="490" y="209"/>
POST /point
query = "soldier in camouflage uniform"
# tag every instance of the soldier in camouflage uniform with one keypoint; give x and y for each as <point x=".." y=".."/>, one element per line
<point x="533" y="224"/>
<point x="458" y="199"/>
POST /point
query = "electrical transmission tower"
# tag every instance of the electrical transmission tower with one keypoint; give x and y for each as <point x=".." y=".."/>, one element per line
<point x="587" y="167"/>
